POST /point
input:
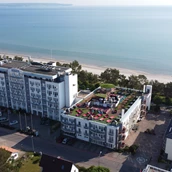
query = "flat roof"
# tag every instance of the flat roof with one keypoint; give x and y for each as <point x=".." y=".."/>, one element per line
<point x="93" y="108"/>
<point x="34" y="68"/>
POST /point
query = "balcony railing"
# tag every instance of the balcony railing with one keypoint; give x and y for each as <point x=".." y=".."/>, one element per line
<point x="68" y="130"/>
<point x="97" y="138"/>
<point x="111" y="133"/>
<point x="67" y="122"/>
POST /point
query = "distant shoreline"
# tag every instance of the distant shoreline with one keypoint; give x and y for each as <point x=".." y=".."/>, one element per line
<point x="97" y="69"/>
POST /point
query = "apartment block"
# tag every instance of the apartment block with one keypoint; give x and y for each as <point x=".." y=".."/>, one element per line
<point x="40" y="89"/>
<point x="106" y="116"/>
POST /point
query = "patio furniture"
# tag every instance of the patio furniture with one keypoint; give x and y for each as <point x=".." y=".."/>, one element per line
<point x="101" y="119"/>
<point x="109" y="121"/>
<point x="112" y="117"/>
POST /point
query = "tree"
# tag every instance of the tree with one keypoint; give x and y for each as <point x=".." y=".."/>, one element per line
<point x="157" y="87"/>
<point x="110" y="76"/>
<point x="58" y="64"/>
<point x="168" y="89"/>
<point x="142" y="79"/>
<point x="97" y="169"/>
<point x="123" y="81"/>
<point x="157" y="100"/>
<point x="76" y="67"/>
<point x="133" y="82"/>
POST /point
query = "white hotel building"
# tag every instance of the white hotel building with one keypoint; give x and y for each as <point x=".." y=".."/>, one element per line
<point x="110" y="135"/>
<point x="39" y="89"/>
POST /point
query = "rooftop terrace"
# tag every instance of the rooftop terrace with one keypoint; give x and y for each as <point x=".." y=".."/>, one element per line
<point x="34" y="67"/>
<point x="105" y="105"/>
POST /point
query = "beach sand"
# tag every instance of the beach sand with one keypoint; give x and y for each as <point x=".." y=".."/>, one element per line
<point x="97" y="69"/>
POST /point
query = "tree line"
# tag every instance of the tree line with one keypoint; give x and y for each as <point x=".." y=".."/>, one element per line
<point x="162" y="93"/>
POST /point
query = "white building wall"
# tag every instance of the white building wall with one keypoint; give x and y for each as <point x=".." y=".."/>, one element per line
<point x="52" y="97"/>
<point x="71" y="88"/>
<point x="61" y="95"/>
<point x="168" y="148"/>
<point x="82" y="125"/>
<point x="74" y="169"/>
<point x="149" y="96"/>
<point x="35" y="95"/>
<point x="3" y="89"/>
<point x="111" y="136"/>
<point x="130" y="118"/>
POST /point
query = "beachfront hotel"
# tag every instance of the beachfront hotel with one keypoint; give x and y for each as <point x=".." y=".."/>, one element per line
<point x="40" y="89"/>
<point x="106" y="116"/>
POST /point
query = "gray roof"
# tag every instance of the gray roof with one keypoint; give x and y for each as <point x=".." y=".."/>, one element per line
<point x="168" y="133"/>
<point x="34" y="67"/>
<point x="53" y="164"/>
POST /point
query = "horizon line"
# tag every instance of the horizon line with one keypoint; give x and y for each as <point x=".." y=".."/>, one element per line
<point x="129" y="5"/>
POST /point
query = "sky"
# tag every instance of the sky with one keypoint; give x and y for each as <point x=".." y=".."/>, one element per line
<point x="95" y="2"/>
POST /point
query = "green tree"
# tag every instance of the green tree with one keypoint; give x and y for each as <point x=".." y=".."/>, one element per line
<point x="123" y="81"/>
<point x="97" y="169"/>
<point x="58" y="64"/>
<point x="142" y="79"/>
<point x="157" y="100"/>
<point x="133" y="82"/>
<point x="110" y="76"/>
<point x="76" y="67"/>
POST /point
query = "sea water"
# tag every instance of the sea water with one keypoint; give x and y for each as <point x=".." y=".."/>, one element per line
<point x="138" y="38"/>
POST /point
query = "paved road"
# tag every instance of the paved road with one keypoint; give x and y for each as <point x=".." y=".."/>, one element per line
<point x="81" y="157"/>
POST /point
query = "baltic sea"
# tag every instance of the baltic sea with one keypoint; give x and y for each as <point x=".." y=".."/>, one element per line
<point x="136" y="38"/>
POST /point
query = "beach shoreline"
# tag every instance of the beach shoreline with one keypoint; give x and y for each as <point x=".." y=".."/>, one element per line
<point x="96" y="69"/>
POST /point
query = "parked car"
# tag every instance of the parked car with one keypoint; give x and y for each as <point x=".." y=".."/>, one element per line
<point x="13" y="122"/>
<point x="3" y="119"/>
<point x="65" y="140"/>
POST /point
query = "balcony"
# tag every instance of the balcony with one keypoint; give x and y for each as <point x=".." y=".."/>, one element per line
<point x="111" y="133"/>
<point x="68" y="130"/>
<point x="78" y="125"/>
<point x="67" y="122"/>
<point x="86" y="127"/>
<point x="97" y="138"/>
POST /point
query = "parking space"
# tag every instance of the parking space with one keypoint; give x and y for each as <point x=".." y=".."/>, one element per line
<point x="88" y="147"/>
<point x="34" y="122"/>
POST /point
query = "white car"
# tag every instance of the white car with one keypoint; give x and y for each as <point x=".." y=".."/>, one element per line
<point x="65" y="140"/>
<point x="13" y="122"/>
<point x="14" y="156"/>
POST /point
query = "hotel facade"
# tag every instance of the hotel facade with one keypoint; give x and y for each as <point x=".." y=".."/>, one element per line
<point x="39" y="89"/>
<point x="108" y="133"/>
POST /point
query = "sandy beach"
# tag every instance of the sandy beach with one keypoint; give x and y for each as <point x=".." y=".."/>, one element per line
<point x="97" y="69"/>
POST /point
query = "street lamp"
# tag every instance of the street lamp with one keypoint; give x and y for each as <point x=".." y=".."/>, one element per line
<point x="33" y="148"/>
<point x="99" y="158"/>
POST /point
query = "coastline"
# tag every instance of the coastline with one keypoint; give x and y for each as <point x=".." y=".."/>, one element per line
<point x="97" y="69"/>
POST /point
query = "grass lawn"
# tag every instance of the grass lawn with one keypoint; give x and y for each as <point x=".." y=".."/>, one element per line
<point x="31" y="165"/>
<point x="100" y="95"/>
<point x="106" y="85"/>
